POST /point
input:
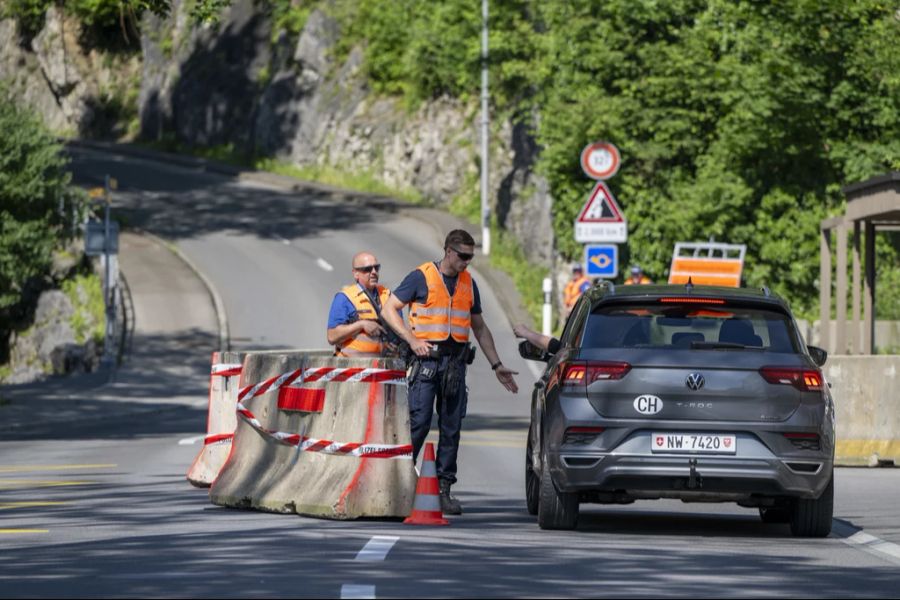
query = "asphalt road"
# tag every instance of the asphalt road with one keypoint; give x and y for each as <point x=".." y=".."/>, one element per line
<point x="110" y="514"/>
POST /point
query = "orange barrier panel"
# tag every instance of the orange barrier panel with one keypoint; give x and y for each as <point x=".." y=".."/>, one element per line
<point x="707" y="264"/>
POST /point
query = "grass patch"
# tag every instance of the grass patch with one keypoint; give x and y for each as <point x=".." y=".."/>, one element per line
<point x="506" y="255"/>
<point x="86" y="295"/>
<point x="360" y="181"/>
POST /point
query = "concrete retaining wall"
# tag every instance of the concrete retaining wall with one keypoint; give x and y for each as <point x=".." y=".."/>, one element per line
<point x="866" y="391"/>
<point x="263" y="474"/>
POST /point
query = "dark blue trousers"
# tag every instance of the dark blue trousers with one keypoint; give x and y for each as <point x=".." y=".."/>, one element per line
<point x="422" y="394"/>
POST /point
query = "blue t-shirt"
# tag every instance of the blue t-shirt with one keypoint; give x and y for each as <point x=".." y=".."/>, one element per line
<point x="414" y="288"/>
<point x="342" y="311"/>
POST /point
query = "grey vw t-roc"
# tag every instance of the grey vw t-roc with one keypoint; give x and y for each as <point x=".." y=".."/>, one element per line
<point x="704" y="394"/>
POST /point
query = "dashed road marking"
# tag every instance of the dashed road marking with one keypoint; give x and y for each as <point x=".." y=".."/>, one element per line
<point x="349" y="590"/>
<point x="10" y="483"/>
<point x="377" y="548"/>
<point x="190" y="440"/>
<point x="324" y="264"/>
<point x="27" y="468"/>
<point x="18" y="531"/>
<point x="8" y="505"/>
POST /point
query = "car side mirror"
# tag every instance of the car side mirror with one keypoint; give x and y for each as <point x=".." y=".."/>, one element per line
<point x="818" y="355"/>
<point x="529" y="351"/>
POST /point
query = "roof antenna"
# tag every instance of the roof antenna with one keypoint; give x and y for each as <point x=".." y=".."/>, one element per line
<point x="689" y="286"/>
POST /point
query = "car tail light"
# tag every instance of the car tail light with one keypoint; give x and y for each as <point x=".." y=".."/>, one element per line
<point x="582" y="374"/>
<point x="691" y="300"/>
<point x="581" y="435"/>
<point x="803" y="440"/>
<point x="805" y="380"/>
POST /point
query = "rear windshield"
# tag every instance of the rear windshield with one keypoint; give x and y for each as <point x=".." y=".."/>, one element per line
<point x="688" y="326"/>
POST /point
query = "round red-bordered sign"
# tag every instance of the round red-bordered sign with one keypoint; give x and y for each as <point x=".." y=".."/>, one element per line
<point x="600" y="160"/>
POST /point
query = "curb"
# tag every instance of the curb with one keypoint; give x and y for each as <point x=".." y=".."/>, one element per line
<point x="218" y="304"/>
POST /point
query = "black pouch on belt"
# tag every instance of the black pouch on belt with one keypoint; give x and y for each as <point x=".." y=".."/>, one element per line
<point x="454" y="374"/>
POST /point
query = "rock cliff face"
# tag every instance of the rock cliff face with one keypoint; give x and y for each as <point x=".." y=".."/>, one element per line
<point x="234" y="85"/>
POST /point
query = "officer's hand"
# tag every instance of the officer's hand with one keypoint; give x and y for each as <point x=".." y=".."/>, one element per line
<point x="505" y="376"/>
<point x="372" y="328"/>
<point x="420" y="347"/>
<point x="520" y="330"/>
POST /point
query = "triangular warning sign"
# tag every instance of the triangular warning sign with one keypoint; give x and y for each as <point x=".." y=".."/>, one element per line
<point x="601" y="207"/>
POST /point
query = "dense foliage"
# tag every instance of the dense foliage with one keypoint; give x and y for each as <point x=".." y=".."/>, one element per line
<point x="36" y="203"/>
<point x="737" y="120"/>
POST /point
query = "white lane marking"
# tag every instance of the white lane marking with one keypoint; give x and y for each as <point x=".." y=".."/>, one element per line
<point x="190" y="441"/>
<point x="869" y="543"/>
<point x="377" y="548"/>
<point x="349" y="590"/>
<point x="323" y="264"/>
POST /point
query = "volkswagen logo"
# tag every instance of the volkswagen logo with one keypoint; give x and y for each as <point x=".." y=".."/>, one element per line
<point x="694" y="381"/>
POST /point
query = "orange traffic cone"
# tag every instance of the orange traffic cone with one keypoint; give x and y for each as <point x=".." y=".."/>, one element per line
<point x="427" y="505"/>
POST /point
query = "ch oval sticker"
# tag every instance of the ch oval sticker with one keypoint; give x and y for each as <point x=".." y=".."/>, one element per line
<point x="648" y="404"/>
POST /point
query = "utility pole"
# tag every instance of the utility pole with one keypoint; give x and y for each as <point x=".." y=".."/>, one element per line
<point x="485" y="121"/>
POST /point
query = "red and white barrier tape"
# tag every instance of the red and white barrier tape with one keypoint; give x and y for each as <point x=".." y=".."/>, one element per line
<point x="226" y="369"/>
<point x="325" y="375"/>
<point x="309" y="444"/>
<point x="218" y="438"/>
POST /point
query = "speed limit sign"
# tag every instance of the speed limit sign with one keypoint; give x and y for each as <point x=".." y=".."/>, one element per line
<point x="600" y="160"/>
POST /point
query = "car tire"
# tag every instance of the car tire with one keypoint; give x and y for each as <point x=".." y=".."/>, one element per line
<point x="775" y="514"/>
<point x="812" y="518"/>
<point x="532" y="481"/>
<point x="556" y="510"/>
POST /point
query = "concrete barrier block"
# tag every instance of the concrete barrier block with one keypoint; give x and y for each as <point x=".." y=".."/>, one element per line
<point x="221" y="418"/>
<point x="266" y="475"/>
<point x="866" y="391"/>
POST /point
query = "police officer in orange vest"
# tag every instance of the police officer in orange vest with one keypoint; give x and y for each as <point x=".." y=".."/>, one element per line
<point x="576" y="286"/>
<point x="353" y="321"/>
<point x="444" y="305"/>
<point x="638" y="277"/>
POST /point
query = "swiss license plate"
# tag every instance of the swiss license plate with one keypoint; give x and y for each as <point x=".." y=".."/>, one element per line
<point x="708" y="443"/>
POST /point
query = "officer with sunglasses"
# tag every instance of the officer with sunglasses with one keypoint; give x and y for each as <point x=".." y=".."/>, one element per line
<point x="353" y="321"/>
<point x="444" y="306"/>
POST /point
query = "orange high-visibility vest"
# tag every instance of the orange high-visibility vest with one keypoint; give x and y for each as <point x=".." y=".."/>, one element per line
<point x="361" y="344"/>
<point x="442" y="317"/>
<point x="643" y="281"/>
<point x="573" y="290"/>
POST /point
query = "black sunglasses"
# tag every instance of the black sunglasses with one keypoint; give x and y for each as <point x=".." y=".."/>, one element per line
<point x="463" y="255"/>
<point x="368" y="269"/>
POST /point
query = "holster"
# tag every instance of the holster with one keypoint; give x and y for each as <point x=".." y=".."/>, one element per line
<point x="455" y="373"/>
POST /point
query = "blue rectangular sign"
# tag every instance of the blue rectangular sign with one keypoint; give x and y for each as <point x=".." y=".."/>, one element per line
<point x="601" y="260"/>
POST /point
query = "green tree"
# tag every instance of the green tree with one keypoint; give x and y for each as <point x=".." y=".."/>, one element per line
<point x="34" y="187"/>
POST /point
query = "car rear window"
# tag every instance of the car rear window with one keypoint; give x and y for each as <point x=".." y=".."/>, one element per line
<point x="688" y="326"/>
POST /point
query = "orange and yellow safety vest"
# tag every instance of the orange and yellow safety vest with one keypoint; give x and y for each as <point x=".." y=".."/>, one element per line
<point x="644" y="280"/>
<point x="361" y="344"/>
<point x="442" y="317"/>
<point x="572" y="291"/>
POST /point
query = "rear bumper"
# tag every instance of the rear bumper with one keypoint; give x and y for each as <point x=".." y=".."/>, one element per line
<point x="689" y="477"/>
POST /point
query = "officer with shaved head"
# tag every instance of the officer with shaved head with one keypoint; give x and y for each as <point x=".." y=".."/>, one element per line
<point x="353" y="327"/>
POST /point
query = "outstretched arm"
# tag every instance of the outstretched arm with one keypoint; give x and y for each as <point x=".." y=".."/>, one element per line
<point x="486" y="341"/>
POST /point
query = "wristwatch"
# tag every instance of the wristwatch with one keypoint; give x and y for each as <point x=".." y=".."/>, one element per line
<point x="496" y="364"/>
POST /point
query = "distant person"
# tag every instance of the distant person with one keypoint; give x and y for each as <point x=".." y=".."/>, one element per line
<point x="576" y="286"/>
<point x="544" y="342"/>
<point x="353" y="321"/>
<point x="637" y="277"/>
